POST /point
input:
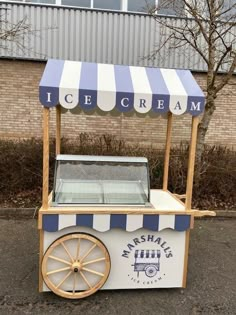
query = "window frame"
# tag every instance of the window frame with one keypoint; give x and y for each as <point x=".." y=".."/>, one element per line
<point x="123" y="7"/>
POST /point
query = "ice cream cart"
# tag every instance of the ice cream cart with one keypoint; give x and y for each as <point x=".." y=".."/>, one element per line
<point x="102" y="227"/>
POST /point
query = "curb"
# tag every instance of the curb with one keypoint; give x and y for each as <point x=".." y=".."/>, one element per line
<point x="32" y="213"/>
<point x="18" y="213"/>
<point x="226" y="213"/>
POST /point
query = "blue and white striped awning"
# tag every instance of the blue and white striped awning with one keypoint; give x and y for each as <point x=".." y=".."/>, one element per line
<point x="122" y="88"/>
<point x="147" y="253"/>
<point x="106" y="222"/>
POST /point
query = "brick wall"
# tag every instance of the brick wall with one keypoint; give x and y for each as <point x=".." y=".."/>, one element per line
<point x="21" y="113"/>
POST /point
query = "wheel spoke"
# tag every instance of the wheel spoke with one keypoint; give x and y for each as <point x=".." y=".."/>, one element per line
<point x="59" y="259"/>
<point x="93" y="261"/>
<point x="70" y="265"/>
<point x="93" y="271"/>
<point x="57" y="270"/>
<point x="78" y="248"/>
<point x="74" y="282"/>
<point x="85" y="280"/>
<point x="64" y="279"/>
<point x="88" y="252"/>
<point x="67" y="251"/>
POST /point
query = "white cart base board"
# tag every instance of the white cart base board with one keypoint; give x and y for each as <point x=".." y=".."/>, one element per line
<point x="164" y="271"/>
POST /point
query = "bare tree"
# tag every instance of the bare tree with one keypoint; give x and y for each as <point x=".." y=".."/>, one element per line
<point x="18" y="37"/>
<point x="13" y="32"/>
<point x="207" y="27"/>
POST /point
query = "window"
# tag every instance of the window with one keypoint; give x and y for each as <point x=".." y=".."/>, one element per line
<point x="77" y="3"/>
<point x="226" y="9"/>
<point x="141" y="5"/>
<point x="104" y="4"/>
<point x="170" y="7"/>
<point x="42" y="1"/>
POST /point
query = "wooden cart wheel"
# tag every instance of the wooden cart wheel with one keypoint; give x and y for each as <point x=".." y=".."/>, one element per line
<point x="76" y="266"/>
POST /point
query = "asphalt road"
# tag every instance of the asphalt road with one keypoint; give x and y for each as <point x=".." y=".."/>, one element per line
<point x="211" y="277"/>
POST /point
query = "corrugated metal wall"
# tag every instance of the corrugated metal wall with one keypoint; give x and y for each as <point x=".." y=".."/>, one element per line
<point x="95" y="36"/>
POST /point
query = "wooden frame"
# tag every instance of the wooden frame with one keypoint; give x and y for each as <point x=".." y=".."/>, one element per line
<point x="58" y="129"/>
<point x="191" y="162"/>
<point x="187" y="238"/>
<point x="167" y="151"/>
<point x="41" y="243"/>
<point x="189" y="190"/>
<point x="46" y="116"/>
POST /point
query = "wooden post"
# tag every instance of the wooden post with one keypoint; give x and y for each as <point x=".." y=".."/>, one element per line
<point x="41" y="252"/>
<point x="58" y="129"/>
<point x="187" y="237"/>
<point x="189" y="190"/>
<point x="191" y="162"/>
<point x="45" y="156"/>
<point x="167" y="151"/>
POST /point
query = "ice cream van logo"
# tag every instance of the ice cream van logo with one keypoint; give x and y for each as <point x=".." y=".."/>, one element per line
<point x="146" y="254"/>
<point x="147" y="261"/>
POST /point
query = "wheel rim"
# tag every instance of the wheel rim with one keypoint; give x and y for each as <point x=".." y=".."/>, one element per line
<point x="76" y="266"/>
<point x="151" y="271"/>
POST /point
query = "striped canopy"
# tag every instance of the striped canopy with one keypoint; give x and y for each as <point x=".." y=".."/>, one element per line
<point x="122" y="88"/>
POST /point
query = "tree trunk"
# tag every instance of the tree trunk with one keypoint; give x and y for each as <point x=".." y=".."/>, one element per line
<point x="203" y="127"/>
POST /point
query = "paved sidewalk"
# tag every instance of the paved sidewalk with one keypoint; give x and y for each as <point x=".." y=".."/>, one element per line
<point x="211" y="278"/>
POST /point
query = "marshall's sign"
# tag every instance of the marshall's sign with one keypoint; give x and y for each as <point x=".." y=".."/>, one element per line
<point x="143" y="239"/>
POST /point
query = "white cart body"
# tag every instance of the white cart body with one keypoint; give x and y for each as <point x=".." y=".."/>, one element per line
<point x="124" y="234"/>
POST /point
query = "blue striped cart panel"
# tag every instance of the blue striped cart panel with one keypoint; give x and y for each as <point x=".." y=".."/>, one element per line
<point x="126" y="222"/>
<point x="182" y="222"/>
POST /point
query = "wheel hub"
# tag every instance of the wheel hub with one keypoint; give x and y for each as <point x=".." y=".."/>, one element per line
<point x="76" y="266"/>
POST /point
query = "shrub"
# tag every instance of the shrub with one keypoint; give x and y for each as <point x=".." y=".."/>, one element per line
<point x="21" y="169"/>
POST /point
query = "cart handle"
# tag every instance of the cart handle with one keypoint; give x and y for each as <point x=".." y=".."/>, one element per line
<point x="202" y="213"/>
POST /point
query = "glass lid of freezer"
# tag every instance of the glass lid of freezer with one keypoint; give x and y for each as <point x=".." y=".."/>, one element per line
<point x="101" y="180"/>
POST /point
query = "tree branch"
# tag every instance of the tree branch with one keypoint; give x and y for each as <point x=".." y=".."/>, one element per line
<point x="227" y="76"/>
<point x="183" y="31"/>
<point x="223" y="13"/>
<point x="225" y="31"/>
<point x="220" y="63"/>
<point x="198" y="19"/>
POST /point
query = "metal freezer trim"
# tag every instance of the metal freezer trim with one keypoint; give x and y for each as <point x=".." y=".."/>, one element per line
<point x="100" y="194"/>
<point x="94" y="158"/>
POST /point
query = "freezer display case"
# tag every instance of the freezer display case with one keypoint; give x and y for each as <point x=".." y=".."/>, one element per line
<point x="87" y="180"/>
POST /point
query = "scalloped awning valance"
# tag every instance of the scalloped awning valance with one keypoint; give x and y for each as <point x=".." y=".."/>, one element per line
<point x="123" y="88"/>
